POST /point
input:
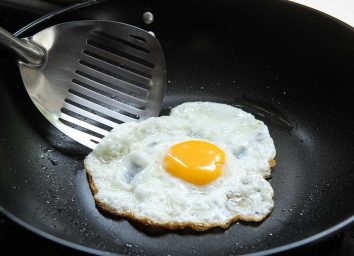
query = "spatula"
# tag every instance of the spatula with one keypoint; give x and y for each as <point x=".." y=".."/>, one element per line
<point x="88" y="76"/>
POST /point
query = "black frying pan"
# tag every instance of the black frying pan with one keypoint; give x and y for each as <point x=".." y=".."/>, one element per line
<point x="290" y="66"/>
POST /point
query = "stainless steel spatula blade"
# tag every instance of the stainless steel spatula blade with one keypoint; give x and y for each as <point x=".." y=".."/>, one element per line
<point x="88" y="76"/>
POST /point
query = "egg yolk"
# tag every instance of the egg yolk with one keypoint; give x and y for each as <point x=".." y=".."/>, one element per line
<point x="197" y="162"/>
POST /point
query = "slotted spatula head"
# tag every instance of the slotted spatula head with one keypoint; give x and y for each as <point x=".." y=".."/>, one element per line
<point x="95" y="75"/>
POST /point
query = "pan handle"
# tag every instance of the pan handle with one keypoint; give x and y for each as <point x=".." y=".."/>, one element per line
<point x="26" y="51"/>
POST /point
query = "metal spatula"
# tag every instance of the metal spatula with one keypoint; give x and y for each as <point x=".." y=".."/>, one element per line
<point x="88" y="76"/>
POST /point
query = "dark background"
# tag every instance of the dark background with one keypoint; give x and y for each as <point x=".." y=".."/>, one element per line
<point x="14" y="14"/>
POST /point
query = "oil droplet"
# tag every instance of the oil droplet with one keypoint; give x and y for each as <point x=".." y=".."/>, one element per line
<point x="53" y="161"/>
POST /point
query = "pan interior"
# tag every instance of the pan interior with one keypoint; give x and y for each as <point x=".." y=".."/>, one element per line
<point x="293" y="74"/>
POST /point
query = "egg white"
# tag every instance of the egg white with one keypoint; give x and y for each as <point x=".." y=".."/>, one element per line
<point x="128" y="179"/>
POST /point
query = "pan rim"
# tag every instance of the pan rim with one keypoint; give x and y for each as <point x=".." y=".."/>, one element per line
<point x="342" y="225"/>
<point x="345" y="224"/>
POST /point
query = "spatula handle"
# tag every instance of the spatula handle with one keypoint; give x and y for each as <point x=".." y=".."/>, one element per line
<point x="26" y="51"/>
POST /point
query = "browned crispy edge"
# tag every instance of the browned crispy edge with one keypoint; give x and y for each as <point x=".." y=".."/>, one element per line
<point x="171" y="225"/>
<point x="272" y="163"/>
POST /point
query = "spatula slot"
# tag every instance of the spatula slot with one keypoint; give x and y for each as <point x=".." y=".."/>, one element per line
<point x="121" y="50"/>
<point x="136" y="45"/>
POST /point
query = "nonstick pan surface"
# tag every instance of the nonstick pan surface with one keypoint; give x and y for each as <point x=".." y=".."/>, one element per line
<point x="290" y="66"/>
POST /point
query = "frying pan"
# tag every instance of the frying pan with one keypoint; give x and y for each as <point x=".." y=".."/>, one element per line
<point x="290" y="66"/>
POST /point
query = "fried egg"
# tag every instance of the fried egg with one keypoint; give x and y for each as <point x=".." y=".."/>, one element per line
<point x="202" y="166"/>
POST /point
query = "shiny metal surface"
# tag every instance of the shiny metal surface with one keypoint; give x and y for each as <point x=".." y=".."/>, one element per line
<point x="96" y="74"/>
<point x="27" y="52"/>
<point x="148" y="18"/>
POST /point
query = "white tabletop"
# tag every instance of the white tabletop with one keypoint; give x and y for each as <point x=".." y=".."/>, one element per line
<point x="340" y="9"/>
